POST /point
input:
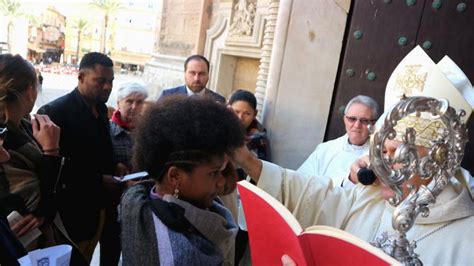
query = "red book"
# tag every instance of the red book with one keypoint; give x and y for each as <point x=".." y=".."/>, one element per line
<point x="274" y="231"/>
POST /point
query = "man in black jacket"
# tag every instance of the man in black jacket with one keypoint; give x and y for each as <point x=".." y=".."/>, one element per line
<point x="85" y="141"/>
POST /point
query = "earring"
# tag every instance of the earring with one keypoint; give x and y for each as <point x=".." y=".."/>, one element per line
<point x="176" y="193"/>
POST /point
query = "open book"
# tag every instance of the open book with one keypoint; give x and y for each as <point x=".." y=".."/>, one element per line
<point x="274" y="231"/>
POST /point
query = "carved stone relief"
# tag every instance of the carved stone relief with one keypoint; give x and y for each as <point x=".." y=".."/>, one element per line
<point x="243" y="18"/>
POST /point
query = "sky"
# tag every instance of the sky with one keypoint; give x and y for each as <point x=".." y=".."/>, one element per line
<point x="65" y="7"/>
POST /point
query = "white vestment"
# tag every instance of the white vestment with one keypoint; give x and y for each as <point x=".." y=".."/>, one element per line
<point x="333" y="159"/>
<point x="445" y="237"/>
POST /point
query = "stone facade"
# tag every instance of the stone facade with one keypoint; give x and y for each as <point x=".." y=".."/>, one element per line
<point x="181" y="32"/>
<point x="286" y="51"/>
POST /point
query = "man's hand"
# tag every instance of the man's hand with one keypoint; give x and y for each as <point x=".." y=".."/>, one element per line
<point x="248" y="161"/>
<point x="4" y="155"/>
<point x="46" y="133"/>
<point x="230" y="175"/>
<point x="121" y="170"/>
<point x="26" y="224"/>
<point x="362" y="162"/>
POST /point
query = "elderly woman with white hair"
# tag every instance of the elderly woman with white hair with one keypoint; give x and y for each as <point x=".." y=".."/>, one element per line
<point x="130" y="101"/>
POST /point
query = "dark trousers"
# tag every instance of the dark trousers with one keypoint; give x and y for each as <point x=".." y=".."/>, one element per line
<point x="241" y="244"/>
<point x="110" y="247"/>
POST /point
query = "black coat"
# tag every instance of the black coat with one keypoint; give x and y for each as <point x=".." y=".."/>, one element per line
<point x="86" y="143"/>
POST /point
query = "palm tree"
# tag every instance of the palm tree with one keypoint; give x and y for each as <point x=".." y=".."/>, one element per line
<point x="80" y="25"/>
<point x="108" y="7"/>
<point x="11" y="9"/>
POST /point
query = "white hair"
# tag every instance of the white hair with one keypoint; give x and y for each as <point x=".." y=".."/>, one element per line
<point x="367" y="101"/>
<point x="130" y="88"/>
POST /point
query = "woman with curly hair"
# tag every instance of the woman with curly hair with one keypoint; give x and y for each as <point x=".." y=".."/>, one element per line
<point x="178" y="219"/>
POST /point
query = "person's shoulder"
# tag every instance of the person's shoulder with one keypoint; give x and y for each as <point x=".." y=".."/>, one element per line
<point x="59" y="105"/>
<point x="179" y="89"/>
<point x="333" y="142"/>
<point x="61" y="101"/>
<point x="137" y="194"/>
<point x="116" y="130"/>
<point x="216" y="96"/>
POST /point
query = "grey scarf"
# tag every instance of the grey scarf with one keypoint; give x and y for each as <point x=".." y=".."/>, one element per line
<point x="173" y="232"/>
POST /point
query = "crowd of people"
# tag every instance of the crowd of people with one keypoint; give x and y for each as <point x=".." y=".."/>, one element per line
<point x="61" y="169"/>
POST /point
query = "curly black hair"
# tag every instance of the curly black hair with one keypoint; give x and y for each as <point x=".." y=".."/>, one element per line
<point x="184" y="131"/>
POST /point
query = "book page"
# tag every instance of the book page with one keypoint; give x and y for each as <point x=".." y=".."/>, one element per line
<point x="13" y="218"/>
<point x="326" y="243"/>
<point x="275" y="204"/>
<point x="273" y="230"/>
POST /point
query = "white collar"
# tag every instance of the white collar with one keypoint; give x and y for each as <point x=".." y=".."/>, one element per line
<point x="351" y="147"/>
<point x="191" y="93"/>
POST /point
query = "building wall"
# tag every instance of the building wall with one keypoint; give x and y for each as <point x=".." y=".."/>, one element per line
<point x="180" y="33"/>
<point x="296" y="109"/>
<point x="90" y="39"/>
<point x="245" y="75"/>
<point x="180" y="26"/>
<point x="298" y="44"/>
<point x="136" y="26"/>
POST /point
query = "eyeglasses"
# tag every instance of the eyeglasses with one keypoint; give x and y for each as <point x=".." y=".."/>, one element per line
<point x="363" y="121"/>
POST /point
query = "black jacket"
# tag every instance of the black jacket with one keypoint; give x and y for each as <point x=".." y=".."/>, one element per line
<point x="86" y="143"/>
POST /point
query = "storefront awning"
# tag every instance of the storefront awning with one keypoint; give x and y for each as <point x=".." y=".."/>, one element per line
<point x="35" y="48"/>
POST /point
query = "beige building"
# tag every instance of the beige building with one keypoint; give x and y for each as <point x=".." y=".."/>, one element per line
<point x="46" y="36"/>
<point x="304" y="59"/>
<point x="89" y="39"/>
<point x="134" y="33"/>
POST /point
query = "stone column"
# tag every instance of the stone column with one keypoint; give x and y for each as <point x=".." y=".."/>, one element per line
<point x="279" y="34"/>
<point x="305" y="57"/>
<point x="267" y="46"/>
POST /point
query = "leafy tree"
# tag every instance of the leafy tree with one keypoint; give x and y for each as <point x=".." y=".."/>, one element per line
<point x="80" y="25"/>
<point x="108" y="7"/>
<point x="12" y="10"/>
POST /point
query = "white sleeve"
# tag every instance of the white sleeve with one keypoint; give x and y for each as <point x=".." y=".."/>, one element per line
<point x="311" y="165"/>
<point x="312" y="200"/>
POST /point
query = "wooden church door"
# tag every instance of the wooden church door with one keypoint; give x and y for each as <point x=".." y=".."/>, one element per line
<point x="381" y="32"/>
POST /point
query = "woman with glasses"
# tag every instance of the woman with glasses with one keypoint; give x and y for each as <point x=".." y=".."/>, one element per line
<point x="30" y="179"/>
<point x="177" y="219"/>
<point x="333" y="158"/>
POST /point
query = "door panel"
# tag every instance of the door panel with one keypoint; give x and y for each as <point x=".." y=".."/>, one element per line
<point x="448" y="28"/>
<point x="377" y="51"/>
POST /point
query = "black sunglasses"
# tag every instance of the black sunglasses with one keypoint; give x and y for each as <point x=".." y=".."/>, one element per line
<point x="363" y="121"/>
